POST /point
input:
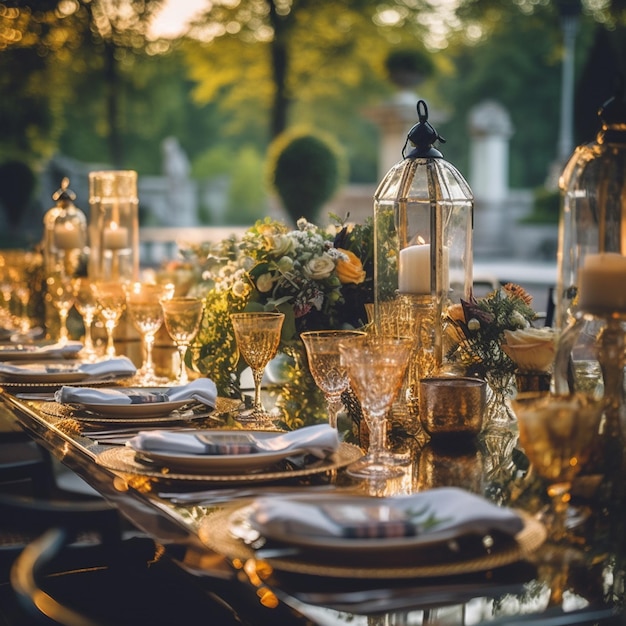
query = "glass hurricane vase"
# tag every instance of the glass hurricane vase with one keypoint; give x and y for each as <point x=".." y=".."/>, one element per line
<point x="500" y="391"/>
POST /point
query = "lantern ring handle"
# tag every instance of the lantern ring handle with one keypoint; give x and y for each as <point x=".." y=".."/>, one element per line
<point x="423" y="113"/>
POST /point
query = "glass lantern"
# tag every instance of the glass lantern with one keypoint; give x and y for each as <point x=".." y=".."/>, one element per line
<point x="65" y="234"/>
<point x="114" y="226"/>
<point x="423" y="219"/>
<point x="593" y="207"/>
<point x="591" y="357"/>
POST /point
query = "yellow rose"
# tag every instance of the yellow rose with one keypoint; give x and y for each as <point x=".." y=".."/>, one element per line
<point x="350" y="270"/>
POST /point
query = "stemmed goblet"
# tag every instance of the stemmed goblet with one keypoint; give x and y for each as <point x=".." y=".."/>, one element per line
<point x="376" y="365"/>
<point x="558" y="433"/>
<point x="330" y="375"/>
<point x="111" y="304"/>
<point x="182" y="316"/>
<point x="61" y="294"/>
<point x="86" y="305"/>
<point x="258" y="337"/>
<point x="143" y="303"/>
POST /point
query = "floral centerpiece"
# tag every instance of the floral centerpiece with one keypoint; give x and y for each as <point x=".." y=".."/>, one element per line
<point x="493" y="338"/>
<point x="320" y="279"/>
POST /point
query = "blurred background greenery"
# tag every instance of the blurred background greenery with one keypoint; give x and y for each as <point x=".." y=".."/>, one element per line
<point x="89" y="80"/>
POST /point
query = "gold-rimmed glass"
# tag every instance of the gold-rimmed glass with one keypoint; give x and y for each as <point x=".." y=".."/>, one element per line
<point x="182" y="316"/>
<point x="258" y="337"/>
<point x="330" y="375"/>
<point x="143" y="303"/>
<point x="558" y="434"/>
<point x="86" y="305"/>
<point x="376" y="365"/>
<point x="111" y="301"/>
<point x="61" y="294"/>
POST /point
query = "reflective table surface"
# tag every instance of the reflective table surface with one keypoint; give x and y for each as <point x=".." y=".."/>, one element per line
<point x="580" y="581"/>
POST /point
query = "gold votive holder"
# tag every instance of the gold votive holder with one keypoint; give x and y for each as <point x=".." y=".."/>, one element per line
<point x="452" y="406"/>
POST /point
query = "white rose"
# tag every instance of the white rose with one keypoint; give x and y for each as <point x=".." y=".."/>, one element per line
<point x="319" y="267"/>
<point x="281" y="245"/>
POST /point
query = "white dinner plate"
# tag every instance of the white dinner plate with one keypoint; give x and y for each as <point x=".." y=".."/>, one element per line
<point x="219" y="463"/>
<point x="135" y="411"/>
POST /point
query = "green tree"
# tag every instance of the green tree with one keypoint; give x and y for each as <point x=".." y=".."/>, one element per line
<point x="53" y="43"/>
<point x="262" y="56"/>
<point x="515" y="59"/>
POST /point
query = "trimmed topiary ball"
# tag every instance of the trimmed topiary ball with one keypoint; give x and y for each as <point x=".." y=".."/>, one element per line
<point x="305" y="170"/>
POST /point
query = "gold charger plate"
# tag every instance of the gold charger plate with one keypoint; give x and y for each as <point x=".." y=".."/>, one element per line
<point x="214" y="532"/>
<point x="67" y="411"/>
<point x="44" y="373"/>
<point x="122" y="459"/>
<point x="16" y="387"/>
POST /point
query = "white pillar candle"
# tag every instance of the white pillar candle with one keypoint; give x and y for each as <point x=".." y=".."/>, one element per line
<point x="602" y="282"/>
<point x="115" y="237"/>
<point x="67" y="237"/>
<point x="414" y="269"/>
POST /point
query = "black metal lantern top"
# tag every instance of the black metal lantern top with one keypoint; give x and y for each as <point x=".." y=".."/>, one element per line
<point x="612" y="115"/>
<point x="422" y="136"/>
<point x="64" y="195"/>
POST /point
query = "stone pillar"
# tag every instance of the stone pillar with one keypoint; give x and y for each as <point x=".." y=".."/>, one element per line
<point x="490" y="130"/>
<point x="182" y="195"/>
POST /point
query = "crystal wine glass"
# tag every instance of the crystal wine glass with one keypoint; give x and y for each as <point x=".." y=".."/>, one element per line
<point x="86" y="305"/>
<point x="258" y="336"/>
<point x="376" y="365"/>
<point x="61" y="294"/>
<point x="557" y="433"/>
<point x="330" y="375"/>
<point x="182" y="316"/>
<point x="143" y="303"/>
<point x="111" y="303"/>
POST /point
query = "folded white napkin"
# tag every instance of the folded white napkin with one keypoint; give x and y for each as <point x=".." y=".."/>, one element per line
<point x="446" y="511"/>
<point x="111" y="368"/>
<point x="320" y="441"/>
<point x="202" y="390"/>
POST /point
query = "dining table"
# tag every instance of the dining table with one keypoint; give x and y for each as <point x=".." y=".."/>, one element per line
<point x="199" y="514"/>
